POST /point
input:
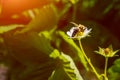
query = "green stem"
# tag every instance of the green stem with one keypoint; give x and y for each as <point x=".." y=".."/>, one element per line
<point x="105" y="70"/>
<point x="88" y="60"/>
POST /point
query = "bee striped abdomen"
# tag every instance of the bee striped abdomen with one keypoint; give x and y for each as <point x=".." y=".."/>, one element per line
<point x="75" y="32"/>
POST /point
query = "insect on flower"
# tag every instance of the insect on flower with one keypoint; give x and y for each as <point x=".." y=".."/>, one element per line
<point x="79" y="31"/>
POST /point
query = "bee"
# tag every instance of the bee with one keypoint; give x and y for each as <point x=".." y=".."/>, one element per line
<point x="75" y="31"/>
<point x="79" y="31"/>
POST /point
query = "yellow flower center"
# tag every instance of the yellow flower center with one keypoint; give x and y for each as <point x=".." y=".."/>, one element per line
<point x="107" y="51"/>
<point x="80" y="33"/>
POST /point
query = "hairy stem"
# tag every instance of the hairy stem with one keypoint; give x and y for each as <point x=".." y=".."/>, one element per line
<point x="105" y="70"/>
<point x="88" y="60"/>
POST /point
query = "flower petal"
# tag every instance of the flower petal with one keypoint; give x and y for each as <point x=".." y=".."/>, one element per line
<point x="86" y="32"/>
<point x="69" y="33"/>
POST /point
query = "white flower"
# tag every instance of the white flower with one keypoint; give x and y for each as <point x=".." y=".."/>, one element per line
<point x="79" y="31"/>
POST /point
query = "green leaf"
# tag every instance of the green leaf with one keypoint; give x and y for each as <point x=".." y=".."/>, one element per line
<point x="40" y="72"/>
<point x="55" y="54"/>
<point x="45" y="20"/>
<point x="116" y="66"/>
<point x="27" y="48"/>
<point x="7" y="28"/>
<point x="32" y="52"/>
<point x="72" y="48"/>
<point x="114" y="70"/>
<point x="66" y="69"/>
